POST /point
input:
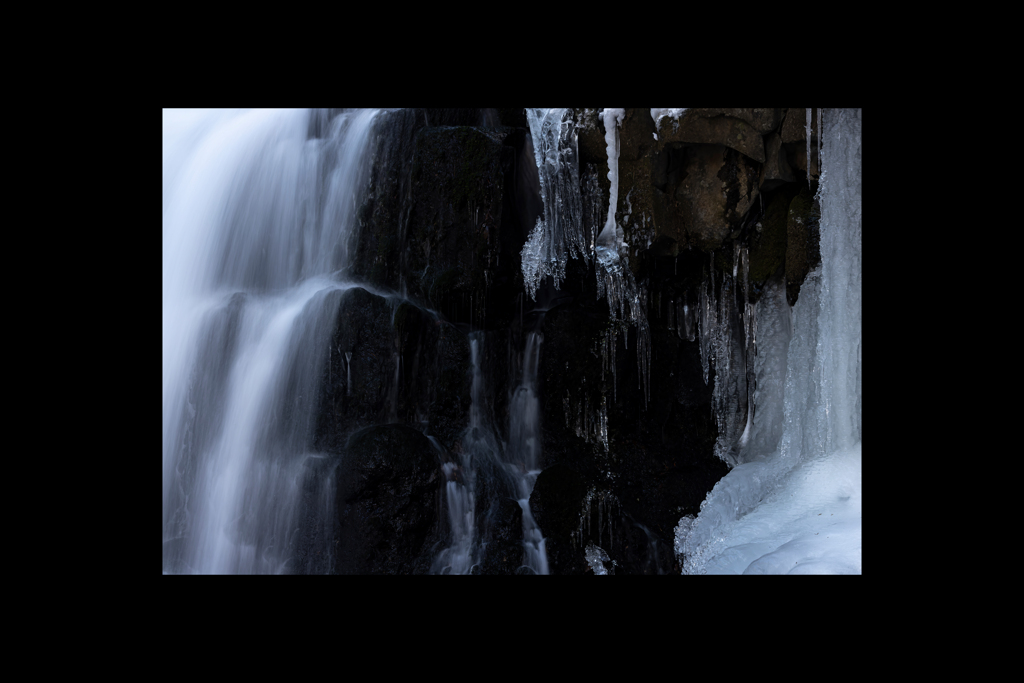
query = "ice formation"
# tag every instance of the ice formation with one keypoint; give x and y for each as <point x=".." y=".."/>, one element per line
<point x="798" y="509"/>
<point x="682" y="530"/>
<point x="590" y="424"/>
<point x="627" y="302"/>
<point x="596" y="557"/>
<point x="727" y="342"/>
<point x="807" y="132"/>
<point x="608" y="508"/>
<point x="558" y="234"/>
<point x="610" y="235"/>
<point x="659" y="114"/>
<point x="819" y="138"/>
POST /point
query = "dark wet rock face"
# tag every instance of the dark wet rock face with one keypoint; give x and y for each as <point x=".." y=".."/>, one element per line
<point x="443" y="221"/>
<point x="453" y="196"/>
<point x="557" y="502"/>
<point x="456" y="220"/>
<point x="389" y="502"/>
<point x="714" y="130"/>
<point x="504" y="549"/>
<point x="802" y="253"/>
<point x="391" y="361"/>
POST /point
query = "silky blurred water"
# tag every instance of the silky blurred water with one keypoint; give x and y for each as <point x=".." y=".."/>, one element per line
<point x="257" y="222"/>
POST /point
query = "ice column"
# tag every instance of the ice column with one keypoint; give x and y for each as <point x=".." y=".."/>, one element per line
<point x="612" y="119"/>
<point x="798" y="510"/>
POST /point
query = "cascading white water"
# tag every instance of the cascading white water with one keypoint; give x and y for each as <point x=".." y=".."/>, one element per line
<point x="798" y="509"/>
<point x="478" y="444"/>
<point x="511" y="468"/>
<point x="256" y="219"/>
<point x="523" y="452"/>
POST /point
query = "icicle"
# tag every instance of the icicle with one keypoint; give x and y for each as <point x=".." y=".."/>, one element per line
<point x="611" y="529"/>
<point x="612" y="345"/>
<point x="348" y="379"/>
<point x="627" y="301"/>
<point x="659" y="114"/>
<point x="604" y="421"/>
<point x="565" y="408"/>
<point x="604" y="356"/>
<point x="746" y="297"/>
<point x="703" y="320"/>
<point x="819" y="140"/>
<point x="808" y="129"/>
<point x="723" y="393"/>
<point x="612" y="119"/>
<point x="708" y="320"/>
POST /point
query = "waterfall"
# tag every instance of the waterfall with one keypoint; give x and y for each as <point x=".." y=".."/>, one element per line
<point x="263" y="212"/>
<point x="257" y="223"/>
<point x="797" y="509"/>
<point x="479" y="446"/>
<point x="524" y="451"/>
<point x="506" y="469"/>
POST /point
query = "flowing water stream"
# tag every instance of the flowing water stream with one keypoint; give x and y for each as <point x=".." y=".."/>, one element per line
<point x="257" y="223"/>
<point x="510" y="468"/>
<point x="258" y="228"/>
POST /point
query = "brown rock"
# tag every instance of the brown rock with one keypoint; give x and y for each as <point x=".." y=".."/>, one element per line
<point x="794" y="140"/>
<point x="762" y="120"/>
<point x="707" y="190"/>
<point x="776" y="167"/>
<point x="794" y="126"/>
<point x="768" y="243"/>
<point x="590" y="137"/>
<point x="802" y="251"/>
<point x="717" y="130"/>
<point x="796" y="154"/>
